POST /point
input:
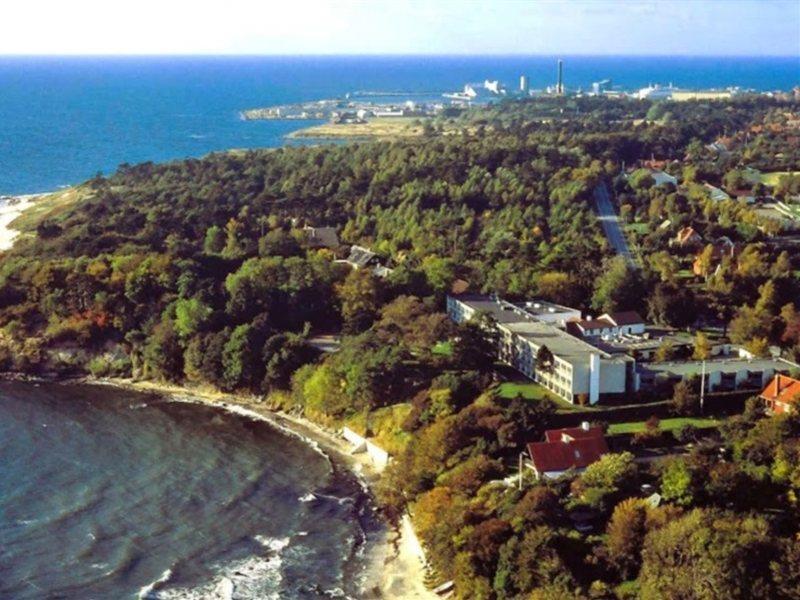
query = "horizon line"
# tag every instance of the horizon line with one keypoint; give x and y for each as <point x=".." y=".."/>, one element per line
<point x="386" y="55"/>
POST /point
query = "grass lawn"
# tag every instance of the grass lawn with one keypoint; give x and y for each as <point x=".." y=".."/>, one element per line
<point x="771" y="179"/>
<point x="381" y="127"/>
<point x="665" y="425"/>
<point x="533" y="391"/>
<point x="793" y="208"/>
<point x="443" y="348"/>
<point x="638" y="228"/>
<point x="49" y="206"/>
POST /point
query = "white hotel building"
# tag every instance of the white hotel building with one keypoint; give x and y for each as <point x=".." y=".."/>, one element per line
<point x="579" y="368"/>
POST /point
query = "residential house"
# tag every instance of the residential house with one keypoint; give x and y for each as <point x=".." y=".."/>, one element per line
<point x="608" y="325"/>
<point x="781" y="394"/>
<point x="744" y="195"/>
<point x="321" y="237"/>
<point x="687" y="238"/>
<point x="660" y="177"/>
<point x="573" y="448"/>
<point x="361" y="258"/>
<point x="722" y="247"/>
<point x="716" y="194"/>
<point x="364" y="258"/>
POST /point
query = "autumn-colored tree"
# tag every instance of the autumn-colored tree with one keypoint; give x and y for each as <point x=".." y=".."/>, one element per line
<point x="625" y="535"/>
<point x="684" y="400"/>
<point x="706" y="555"/>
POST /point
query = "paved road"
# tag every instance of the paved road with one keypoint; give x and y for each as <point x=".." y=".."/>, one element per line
<point x="610" y="222"/>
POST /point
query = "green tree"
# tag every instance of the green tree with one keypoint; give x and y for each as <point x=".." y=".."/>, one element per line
<point x="214" y="241"/>
<point x="676" y="482"/>
<point x="360" y="295"/>
<point x="163" y="354"/>
<point x="603" y="481"/>
<point x="241" y="365"/>
<point x="706" y="555"/>
<point x="474" y="347"/>
<point x="619" y="287"/>
<point x="190" y="316"/>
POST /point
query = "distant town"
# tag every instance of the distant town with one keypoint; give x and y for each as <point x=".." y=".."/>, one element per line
<point x="361" y="106"/>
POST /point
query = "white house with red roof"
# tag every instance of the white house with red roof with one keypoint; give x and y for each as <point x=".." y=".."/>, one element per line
<point x="571" y="448"/>
<point x="782" y="394"/>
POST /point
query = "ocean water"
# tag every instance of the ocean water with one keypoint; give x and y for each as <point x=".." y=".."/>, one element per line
<point x="113" y="494"/>
<point x="62" y="120"/>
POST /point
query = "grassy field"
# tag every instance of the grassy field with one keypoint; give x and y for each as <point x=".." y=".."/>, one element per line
<point x="637" y="228"/>
<point x="443" y="348"/>
<point x="664" y="425"/>
<point x="771" y="179"/>
<point x="533" y="391"/>
<point x="792" y="208"/>
<point x="381" y="128"/>
<point x="48" y="206"/>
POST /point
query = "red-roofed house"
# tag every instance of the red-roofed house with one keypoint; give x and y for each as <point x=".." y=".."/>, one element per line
<point x="782" y="394"/>
<point x="564" y="449"/>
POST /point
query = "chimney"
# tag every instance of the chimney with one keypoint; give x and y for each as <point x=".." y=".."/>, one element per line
<point x="560" y="84"/>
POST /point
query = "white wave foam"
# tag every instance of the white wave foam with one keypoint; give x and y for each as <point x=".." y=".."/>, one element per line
<point x="274" y="544"/>
<point x="255" y="577"/>
<point x="148" y="592"/>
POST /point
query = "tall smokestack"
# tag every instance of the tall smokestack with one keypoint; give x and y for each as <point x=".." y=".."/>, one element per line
<point x="560" y="84"/>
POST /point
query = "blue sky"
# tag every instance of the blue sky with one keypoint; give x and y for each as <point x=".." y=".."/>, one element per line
<point x="666" y="27"/>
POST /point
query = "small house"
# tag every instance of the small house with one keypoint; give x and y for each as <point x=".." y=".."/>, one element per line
<point x="781" y="394"/>
<point x="716" y="194"/>
<point x="687" y="238"/>
<point x="321" y="237"/>
<point x="572" y="448"/>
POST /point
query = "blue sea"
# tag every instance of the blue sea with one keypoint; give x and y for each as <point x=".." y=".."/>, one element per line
<point x="62" y="120"/>
<point x="110" y="494"/>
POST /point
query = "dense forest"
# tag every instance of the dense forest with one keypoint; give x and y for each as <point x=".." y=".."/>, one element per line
<point x="199" y="271"/>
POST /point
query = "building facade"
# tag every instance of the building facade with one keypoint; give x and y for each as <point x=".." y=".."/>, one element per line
<point x="579" y="372"/>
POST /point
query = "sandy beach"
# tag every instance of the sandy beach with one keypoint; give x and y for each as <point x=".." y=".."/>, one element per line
<point x="10" y="208"/>
<point x="395" y="570"/>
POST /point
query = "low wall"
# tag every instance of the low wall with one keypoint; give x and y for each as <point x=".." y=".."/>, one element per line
<point x="379" y="457"/>
<point x="717" y="403"/>
<point x="359" y="442"/>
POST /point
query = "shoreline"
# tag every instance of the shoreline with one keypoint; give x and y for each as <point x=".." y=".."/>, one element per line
<point x="392" y="569"/>
<point x="13" y="207"/>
